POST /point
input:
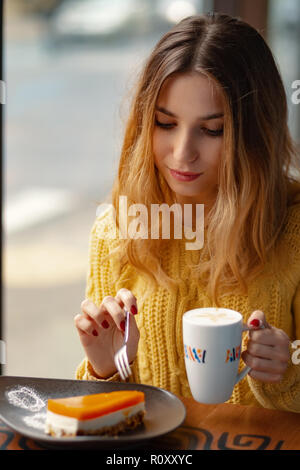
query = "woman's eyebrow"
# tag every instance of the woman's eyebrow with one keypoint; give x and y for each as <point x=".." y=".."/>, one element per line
<point x="201" y="118"/>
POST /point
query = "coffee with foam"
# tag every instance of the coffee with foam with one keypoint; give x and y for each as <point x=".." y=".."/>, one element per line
<point x="213" y="316"/>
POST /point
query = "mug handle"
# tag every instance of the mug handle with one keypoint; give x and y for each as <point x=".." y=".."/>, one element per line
<point x="246" y="369"/>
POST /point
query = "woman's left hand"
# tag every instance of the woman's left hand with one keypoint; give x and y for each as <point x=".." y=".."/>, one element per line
<point x="267" y="350"/>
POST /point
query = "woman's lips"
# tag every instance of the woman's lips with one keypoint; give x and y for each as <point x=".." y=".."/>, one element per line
<point x="184" y="176"/>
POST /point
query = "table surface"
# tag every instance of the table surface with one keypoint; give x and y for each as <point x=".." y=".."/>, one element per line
<point x="209" y="427"/>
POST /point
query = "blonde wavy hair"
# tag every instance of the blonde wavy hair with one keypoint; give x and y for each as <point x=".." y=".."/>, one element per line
<point x="252" y="202"/>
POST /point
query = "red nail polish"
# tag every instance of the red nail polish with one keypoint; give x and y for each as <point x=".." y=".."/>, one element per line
<point x="133" y="310"/>
<point x="122" y="325"/>
<point x="105" y="324"/>
<point x="95" y="333"/>
<point x="255" y="323"/>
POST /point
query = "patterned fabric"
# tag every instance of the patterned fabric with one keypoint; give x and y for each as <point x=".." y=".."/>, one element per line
<point x="160" y="359"/>
<point x="10" y="440"/>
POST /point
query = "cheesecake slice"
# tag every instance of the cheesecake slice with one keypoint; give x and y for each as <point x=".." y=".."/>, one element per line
<point x="102" y="413"/>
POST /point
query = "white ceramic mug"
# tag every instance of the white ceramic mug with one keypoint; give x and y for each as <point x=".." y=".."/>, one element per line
<point x="212" y="340"/>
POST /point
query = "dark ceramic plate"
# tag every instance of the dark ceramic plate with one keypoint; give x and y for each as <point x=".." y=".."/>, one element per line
<point x="23" y="404"/>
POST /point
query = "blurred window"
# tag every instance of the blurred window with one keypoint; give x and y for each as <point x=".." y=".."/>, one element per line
<point x="284" y="40"/>
<point x="70" y="67"/>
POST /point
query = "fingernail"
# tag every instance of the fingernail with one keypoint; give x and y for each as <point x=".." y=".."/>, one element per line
<point x="105" y="324"/>
<point x="95" y="333"/>
<point x="133" y="310"/>
<point x="255" y="323"/>
<point x="122" y="325"/>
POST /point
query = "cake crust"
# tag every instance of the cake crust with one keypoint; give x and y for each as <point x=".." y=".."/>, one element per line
<point x="127" y="424"/>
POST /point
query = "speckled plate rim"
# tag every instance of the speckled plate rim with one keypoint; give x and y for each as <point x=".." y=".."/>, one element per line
<point x="171" y="406"/>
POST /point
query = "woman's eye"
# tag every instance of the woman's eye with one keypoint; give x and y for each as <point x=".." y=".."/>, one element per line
<point x="213" y="133"/>
<point x="209" y="132"/>
<point x="163" y="124"/>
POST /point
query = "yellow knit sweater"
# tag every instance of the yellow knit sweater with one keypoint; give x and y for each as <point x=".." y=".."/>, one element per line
<point x="160" y="358"/>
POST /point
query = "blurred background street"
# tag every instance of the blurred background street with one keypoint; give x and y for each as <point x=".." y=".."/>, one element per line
<point x="69" y="69"/>
<point x="67" y="88"/>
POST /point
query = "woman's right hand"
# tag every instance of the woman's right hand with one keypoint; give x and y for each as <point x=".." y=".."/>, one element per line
<point x="101" y="330"/>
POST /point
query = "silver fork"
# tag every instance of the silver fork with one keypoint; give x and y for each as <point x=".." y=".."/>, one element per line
<point x="121" y="358"/>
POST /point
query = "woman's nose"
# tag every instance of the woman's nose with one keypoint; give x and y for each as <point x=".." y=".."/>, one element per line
<point x="184" y="148"/>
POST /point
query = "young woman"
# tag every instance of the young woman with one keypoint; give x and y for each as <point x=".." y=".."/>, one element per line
<point x="208" y="125"/>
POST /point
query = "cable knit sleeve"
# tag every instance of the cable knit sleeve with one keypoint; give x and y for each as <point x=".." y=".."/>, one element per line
<point x="100" y="283"/>
<point x="285" y="395"/>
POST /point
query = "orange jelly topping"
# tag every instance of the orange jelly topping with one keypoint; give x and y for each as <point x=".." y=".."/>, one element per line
<point x="94" y="406"/>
